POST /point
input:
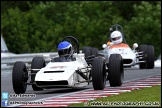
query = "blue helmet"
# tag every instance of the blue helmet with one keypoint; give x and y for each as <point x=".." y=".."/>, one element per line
<point x="64" y="48"/>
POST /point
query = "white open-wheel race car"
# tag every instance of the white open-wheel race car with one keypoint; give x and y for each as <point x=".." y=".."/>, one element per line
<point x="77" y="71"/>
<point x="142" y="55"/>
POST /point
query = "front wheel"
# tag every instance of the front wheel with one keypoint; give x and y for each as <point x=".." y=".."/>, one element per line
<point x="19" y="77"/>
<point x="98" y="74"/>
<point x="115" y="70"/>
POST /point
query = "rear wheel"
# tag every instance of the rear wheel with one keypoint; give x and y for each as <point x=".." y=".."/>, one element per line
<point x="94" y="51"/>
<point x="144" y="49"/>
<point x="86" y="51"/>
<point x="37" y="63"/>
<point x="98" y="74"/>
<point x="115" y="70"/>
<point x="148" y="57"/>
<point x="89" y="51"/>
<point x="19" y="77"/>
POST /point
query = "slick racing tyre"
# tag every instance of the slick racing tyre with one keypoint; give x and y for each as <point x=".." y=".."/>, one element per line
<point x="37" y="63"/>
<point x="89" y="51"/>
<point x="94" y="51"/>
<point x="115" y="70"/>
<point x="19" y="77"/>
<point x="86" y="51"/>
<point x="143" y="48"/>
<point x="148" y="56"/>
<point x="98" y="74"/>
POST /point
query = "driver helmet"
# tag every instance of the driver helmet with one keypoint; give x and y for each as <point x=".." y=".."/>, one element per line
<point x="64" y="49"/>
<point x="116" y="37"/>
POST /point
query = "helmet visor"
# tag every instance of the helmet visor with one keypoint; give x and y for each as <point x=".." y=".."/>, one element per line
<point x="116" y="38"/>
<point x="64" y="52"/>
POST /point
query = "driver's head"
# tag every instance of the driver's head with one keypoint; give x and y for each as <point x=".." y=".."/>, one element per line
<point x="116" y="37"/>
<point x="64" y="49"/>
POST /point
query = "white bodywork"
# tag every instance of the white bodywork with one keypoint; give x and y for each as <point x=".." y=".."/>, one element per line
<point x="143" y="57"/>
<point x="129" y="55"/>
<point x="63" y="71"/>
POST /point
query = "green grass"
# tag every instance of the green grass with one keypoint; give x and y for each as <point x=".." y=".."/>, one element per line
<point x="147" y="97"/>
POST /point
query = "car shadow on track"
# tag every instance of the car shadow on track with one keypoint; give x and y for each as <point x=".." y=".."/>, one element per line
<point x="57" y="90"/>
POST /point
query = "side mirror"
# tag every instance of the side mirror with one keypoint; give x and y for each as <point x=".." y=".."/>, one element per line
<point x="111" y="29"/>
<point x="104" y="46"/>
<point x="135" y="45"/>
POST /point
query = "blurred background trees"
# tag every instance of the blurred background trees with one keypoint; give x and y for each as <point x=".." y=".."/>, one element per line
<point x="38" y="26"/>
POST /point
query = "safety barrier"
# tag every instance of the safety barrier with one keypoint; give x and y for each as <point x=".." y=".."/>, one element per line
<point x="8" y="62"/>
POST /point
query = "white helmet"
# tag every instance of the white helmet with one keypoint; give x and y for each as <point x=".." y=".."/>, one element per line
<point x="116" y="37"/>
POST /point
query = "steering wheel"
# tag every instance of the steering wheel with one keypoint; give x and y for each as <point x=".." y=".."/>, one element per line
<point x="74" y="42"/>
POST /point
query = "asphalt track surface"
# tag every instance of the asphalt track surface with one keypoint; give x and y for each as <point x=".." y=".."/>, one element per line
<point x="130" y="74"/>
